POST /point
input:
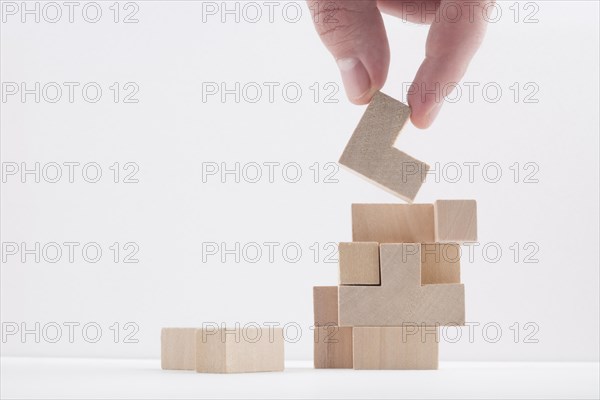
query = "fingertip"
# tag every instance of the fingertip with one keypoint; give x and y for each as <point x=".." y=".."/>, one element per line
<point x="423" y="114"/>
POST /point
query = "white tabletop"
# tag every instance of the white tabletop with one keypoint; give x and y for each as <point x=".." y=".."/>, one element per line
<point x="106" y="378"/>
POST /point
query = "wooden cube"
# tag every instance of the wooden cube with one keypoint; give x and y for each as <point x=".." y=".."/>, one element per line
<point x="325" y="305"/>
<point x="249" y="349"/>
<point x="393" y="223"/>
<point x="359" y="263"/>
<point x="333" y="347"/>
<point x="408" y="347"/>
<point x="440" y="263"/>
<point x="371" y="152"/>
<point x="455" y="221"/>
<point x="178" y="348"/>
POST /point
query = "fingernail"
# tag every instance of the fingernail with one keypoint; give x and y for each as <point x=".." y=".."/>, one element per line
<point x="355" y="77"/>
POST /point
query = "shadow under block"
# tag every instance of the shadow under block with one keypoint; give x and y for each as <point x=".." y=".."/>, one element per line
<point x="401" y="299"/>
<point x="359" y="263"/>
<point x="370" y="151"/>
<point x="178" y="348"/>
<point x="440" y="263"/>
<point x="393" y="223"/>
<point x="325" y="304"/>
<point x="455" y="221"/>
<point x="239" y="350"/>
<point x="407" y="347"/>
<point x="333" y="347"/>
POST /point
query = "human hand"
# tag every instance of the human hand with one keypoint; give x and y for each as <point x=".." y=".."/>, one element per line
<point x="353" y="32"/>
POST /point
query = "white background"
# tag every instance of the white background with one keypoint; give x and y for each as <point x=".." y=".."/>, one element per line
<point x="170" y="212"/>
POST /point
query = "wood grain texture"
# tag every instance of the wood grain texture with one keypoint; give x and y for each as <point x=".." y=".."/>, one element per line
<point x="401" y="299"/>
<point x="396" y="347"/>
<point x="371" y="154"/>
<point x="393" y="223"/>
<point x="440" y="263"/>
<point x="333" y="347"/>
<point x="358" y="263"/>
<point x="455" y="221"/>
<point x="178" y="348"/>
<point x="249" y="349"/>
<point x="325" y="305"/>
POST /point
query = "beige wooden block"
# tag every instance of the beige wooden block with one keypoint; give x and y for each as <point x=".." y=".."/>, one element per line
<point x="178" y="348"/>
<point x="409" y="347"/>
<point x="359" y="263"/>
<point x="249" y="349"/>
<point x="325" y="305"/>
<point x="440" y="263"/>
<point x="455" y="221"/>
<point x="333" y="347"/>
<point x="401" y="299"/>
<point x="393" y="223"/>
<point x="371" y="154"/>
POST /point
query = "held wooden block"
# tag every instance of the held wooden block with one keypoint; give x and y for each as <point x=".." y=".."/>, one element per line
<point x="401" y="299"/>
<point x="371" y="154"/>
<point x="178" y="348"/>
<point x="393" y="223"/>
<point x="325" y="305"/>
<point x="455" y="221"/>
<point x="359" y="263"/>
<point x="408" y="347"/>
<point x="238" y="350"/>
<point x="440" y="263"/>
<point x="333" y="347"/>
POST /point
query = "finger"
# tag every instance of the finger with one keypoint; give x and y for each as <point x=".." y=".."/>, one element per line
<point x="416" y="11"/>
<point x="454" y="37"/>
<point x="354" y="34"/>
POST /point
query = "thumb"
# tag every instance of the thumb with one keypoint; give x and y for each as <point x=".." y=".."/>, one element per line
<point x="353" y="32"/>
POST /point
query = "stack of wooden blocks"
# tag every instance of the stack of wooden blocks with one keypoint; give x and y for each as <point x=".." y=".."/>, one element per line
<point x="399" y="280"/>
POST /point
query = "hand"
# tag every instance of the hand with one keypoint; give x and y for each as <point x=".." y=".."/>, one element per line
<point x="353" y="31"/>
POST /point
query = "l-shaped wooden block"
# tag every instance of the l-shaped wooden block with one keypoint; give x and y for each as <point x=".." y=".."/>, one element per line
<point x="393" y="223"/>
<point x="396" y="347"/>
<point x="401" y="299"/>
<point x="248" y="349"/>
<point x="455" y="221"/>
<point x="178" y="348"/>
<point x="371" y="152"/>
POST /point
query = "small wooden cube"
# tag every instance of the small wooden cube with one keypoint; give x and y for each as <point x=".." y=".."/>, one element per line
<point x="397" y="347"/>
<point x="333" y="347"/>
<point x="359" y="263"/>
<point x="178" y="348"/>
<point x="325" y="305"/>
<point x="440" y="263"/>
<point x="455" y="221"/>
<point x="249" y="349"/>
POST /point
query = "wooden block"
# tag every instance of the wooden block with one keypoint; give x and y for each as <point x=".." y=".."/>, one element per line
<point x="249" y="349"/>
<point x="401" y="299"/>
<point x="440" y="263"/>
<point x="371" y="154"/>
<point x="455" y="221"/>
<point x="409" y="347"/>
<point x="333" y="347"/>
<point x="178" y="348"/>
<point x="393" y="223"/>
<point x="359" y="263"/>
<point x="325" y="305"/>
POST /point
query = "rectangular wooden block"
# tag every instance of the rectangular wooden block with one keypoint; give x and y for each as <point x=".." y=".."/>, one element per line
<point x="325" y="305"/>
<point x="393" y="223"/>
<point x="178" y="348"/>
<point x="250" y="349"/>
<point x="371" y="154"/>
<point x="455" y="221"/>
<point x="333" y="347"/>
<point x="409" y="347"/>
<point x="440" y="263"/>
<point x="359" y="263"/>
<point x="401" y="299"/>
